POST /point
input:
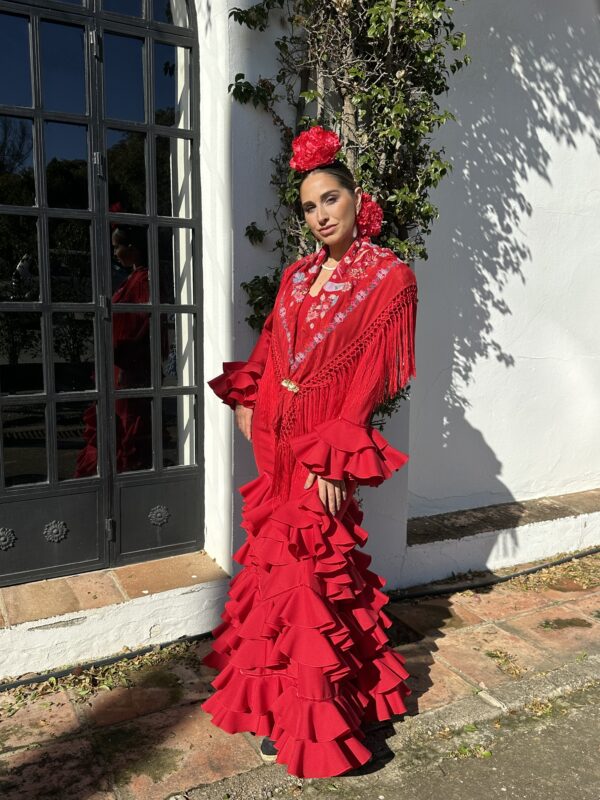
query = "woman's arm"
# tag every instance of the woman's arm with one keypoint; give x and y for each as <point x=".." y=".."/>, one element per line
<point x="238" y="383"/>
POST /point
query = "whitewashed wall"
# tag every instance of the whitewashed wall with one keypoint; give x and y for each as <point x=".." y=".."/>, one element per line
<point x="506" y="404"/>
<point x="215" y="176"/>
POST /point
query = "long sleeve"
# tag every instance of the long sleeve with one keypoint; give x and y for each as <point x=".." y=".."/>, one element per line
<point x="238" y="383"/>
<point x="346" y="445"/>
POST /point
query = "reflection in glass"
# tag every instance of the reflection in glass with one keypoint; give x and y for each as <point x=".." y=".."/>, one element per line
<point x="76" y="444"/>
<point x="124" y="77"/>
<point x="21" y="353"/>
<point x="132" y="8"/>
<point x="174" y="12"/>
<point x="133" y="433"/>
<point x="126" y="157"/>
<point x="24" y="444"/>
<point x="17" y="182"/>
<point x="131" y="349"/>
<point x="73" y="337"/>
<point x="178" y="365"/>
<point x="14" y="61"/>
<point x="66" y="165"/>
<point x="19" y="278"/>
<point x="131" y="330"/>
<point x="179" y="430"/>
<point x="172" y="87"/>
<point x="129" y="245"/>
<point x="173" y="177"/>
<point x="175" y="263"/>
<point x="70" y="261"/>
<point x="63" y="70"/>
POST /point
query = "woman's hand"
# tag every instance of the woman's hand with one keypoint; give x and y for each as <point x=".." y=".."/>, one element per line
<point x="243" y="418"/>
<point x="331" y="492"/>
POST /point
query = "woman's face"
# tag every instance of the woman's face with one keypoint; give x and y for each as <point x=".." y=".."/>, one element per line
<point x="124" y="253"/>
<point x="329" y="208"/>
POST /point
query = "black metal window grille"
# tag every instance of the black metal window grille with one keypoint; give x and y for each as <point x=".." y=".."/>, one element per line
<point x="98" y="135"/>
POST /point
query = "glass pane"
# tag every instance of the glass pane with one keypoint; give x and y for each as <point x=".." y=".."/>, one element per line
<point x="74" y="356"/>
<point x="174" y="12"/>
<point x="133" y="421"/>
<point x="172" y="85"/>
<point x="63" y="70"/>
<point x="177" y="349"/>
<point x="131" y="350"/>
<point x="76" y="446"/>
<point x="17" y="183"/>
<point x="126" y="157"/>
<point x="179" y="430"/>
<point x="132" y="8"/>
<point x="24" y="441"/>
<point x="18" y="258"/>
<point x="14" y="61"/>
<point x="175" y="262"/>
<point x="70" y="261"/>
<point x="124" y="77"/>
<point x="131" y="330"/>
<point x="173" y="177"/>
<point x="66" y="165"/>
<point x="130" y="282"/>
<point x="21" y="353"/>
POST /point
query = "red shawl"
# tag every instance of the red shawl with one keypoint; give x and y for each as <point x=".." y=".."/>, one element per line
<point x="316" y="387"/>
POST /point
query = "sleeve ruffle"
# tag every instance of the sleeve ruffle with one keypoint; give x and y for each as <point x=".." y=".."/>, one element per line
<point x="238" y="383"/>
<point x="339" y="449"/>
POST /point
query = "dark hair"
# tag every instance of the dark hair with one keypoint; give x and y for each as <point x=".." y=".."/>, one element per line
<point x="338" y="169"/>
<point x="134" y="235"/>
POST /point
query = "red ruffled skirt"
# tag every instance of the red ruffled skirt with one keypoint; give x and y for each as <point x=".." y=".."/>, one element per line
<point x="302" y="652"/>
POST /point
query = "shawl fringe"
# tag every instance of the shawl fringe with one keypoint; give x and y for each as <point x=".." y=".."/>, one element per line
<point x="381" y="360"/>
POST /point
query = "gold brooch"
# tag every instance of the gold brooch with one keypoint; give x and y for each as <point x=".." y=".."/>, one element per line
<point x="290" y="385"/>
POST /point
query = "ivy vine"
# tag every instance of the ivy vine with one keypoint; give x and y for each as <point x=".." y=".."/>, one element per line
<point x="372" y="70"/>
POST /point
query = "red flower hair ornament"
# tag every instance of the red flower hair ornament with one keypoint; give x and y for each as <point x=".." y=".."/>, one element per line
<point x="318" y="147"/>
<point x="314" y="148"/>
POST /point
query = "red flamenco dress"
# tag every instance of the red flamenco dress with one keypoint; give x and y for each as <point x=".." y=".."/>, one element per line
<point x="302" y="652"/>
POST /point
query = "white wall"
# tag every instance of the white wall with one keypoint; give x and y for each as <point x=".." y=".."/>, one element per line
<point x="506" y="404"/>
<point x="215" y="178"/>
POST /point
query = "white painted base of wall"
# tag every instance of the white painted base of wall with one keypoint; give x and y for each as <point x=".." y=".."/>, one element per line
<point x="497" y="549"/>
<point x="103" y="632"/>
<point x="165" y="616"/>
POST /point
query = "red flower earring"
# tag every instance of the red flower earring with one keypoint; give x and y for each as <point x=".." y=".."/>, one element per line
<point x="370" y="216"/>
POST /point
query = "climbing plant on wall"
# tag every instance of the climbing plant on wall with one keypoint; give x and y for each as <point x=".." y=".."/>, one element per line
<point x="373" y="70"/>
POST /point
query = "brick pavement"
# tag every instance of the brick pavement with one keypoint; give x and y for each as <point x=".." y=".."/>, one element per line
<point x="151" y="741"/>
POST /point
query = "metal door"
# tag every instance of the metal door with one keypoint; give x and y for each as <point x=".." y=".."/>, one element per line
<point x="99" y="286"/>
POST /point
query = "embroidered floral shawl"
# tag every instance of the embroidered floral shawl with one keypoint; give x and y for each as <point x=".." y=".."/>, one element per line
<point x="354" y="350"/>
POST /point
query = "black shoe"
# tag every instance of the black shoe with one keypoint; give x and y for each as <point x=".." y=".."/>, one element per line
<point x="268" y="751"/>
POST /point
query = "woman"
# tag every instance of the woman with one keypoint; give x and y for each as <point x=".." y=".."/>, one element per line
<point x="131" y="359"/>
<point x="302" y="653"/>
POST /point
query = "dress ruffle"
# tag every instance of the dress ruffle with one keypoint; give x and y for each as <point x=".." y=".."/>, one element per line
<point x="339" y="449"/>
<point x="238" y="383"/>
<point x="301" y="649"/>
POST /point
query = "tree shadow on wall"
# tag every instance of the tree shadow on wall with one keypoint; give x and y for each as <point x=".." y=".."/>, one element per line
<point x="534" y="82"/>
